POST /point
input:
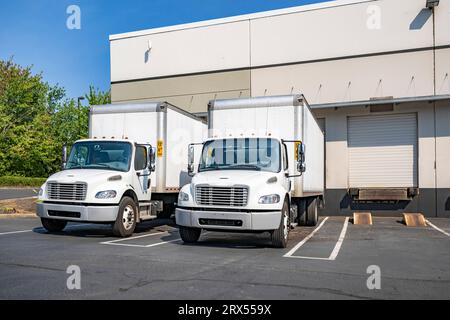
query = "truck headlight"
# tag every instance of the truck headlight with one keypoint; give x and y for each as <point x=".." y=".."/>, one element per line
<point x="106" y="194"/>
<point x="41" y="192"/>
<point x="183" y="196"/>
<point x="269" y="199"/>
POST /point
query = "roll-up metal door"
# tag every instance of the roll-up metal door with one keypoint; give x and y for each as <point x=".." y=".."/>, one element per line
<point x="382" y="151"/>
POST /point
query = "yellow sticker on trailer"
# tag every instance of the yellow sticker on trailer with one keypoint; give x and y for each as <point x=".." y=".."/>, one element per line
<point x="160" y="149"/>
<point x="297" y="143"/>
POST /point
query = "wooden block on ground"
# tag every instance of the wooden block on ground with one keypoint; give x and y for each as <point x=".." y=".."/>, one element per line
<point x="414" y="220"/>
<point x="362" y="218"/>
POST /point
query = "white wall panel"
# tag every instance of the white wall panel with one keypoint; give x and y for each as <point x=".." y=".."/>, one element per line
<point x="442" y="20"/>
<point x="368" y="27"/>
<point x="224" y="46"/>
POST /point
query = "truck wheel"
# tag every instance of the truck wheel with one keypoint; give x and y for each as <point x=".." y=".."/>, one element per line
<point x="302" y="212"/>
<point x="53" y="225"/>
<point x="126" y="218"/>
<point x="280" y="236"/>
<point x="313" y="215"/>
<point x="190" y="235"/>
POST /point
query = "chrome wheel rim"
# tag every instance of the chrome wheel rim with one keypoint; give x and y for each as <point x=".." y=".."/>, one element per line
<point x="285" y="225"/>
<point x="128" y="217"/>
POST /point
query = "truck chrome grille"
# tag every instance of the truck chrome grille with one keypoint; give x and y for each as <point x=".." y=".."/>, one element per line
<point x="66" y="191"/>
<point x="221" y="196"/>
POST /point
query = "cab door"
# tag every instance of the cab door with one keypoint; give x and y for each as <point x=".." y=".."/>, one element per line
<point x="287" y="184"/>
<point x="142" y="176"/>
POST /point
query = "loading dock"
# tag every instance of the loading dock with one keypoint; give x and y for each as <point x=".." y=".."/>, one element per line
<point x="391" y="80"/>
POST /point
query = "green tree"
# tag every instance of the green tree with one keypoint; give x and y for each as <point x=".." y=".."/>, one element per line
<point x="98" y="97"/>
<point x="36" y="120"/>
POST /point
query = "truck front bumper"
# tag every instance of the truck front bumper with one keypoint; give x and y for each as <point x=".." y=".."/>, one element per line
<point x="72" y="212"/>
<point x="257" y="220"/>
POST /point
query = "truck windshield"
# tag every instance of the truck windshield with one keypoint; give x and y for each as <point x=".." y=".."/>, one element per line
<point x="100" y="155"/>
<point x="241" y="154"/>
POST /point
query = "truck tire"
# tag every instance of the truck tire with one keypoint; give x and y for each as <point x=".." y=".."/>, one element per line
<point x="312" y="213"/>
<point x="280" y="235"/>
<point x="189" y="235"/>
<point x="126" y="218"/>
<point x="53" y="225"/>
<point x="302" y="212"/>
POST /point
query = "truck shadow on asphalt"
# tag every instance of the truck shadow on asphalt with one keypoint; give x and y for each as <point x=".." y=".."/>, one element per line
<point x="232" y="241"/>
<point x="92" y="230"/>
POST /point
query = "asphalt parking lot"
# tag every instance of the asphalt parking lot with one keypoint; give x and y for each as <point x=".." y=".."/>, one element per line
<point x="16" y="193"/>
<point x="328" y="261"/>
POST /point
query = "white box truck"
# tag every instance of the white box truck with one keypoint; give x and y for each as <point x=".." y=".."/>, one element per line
<point x="130" y="169"/>
<point x="261" y="169"/>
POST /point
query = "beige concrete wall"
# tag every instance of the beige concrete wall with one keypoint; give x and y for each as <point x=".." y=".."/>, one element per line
<point x="198" y="103"/>
<point x="326" y="31"/>
<point x="336" y="146"/>
<point x="443" y="70"/>
<point x="189" y="92"/>
<point x="443" y="143"/>
<point x="397" y="75"/>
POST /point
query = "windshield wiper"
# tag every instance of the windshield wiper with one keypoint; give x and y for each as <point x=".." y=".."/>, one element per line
<point x="242" y="166"/>
<point x="99" y="165"/>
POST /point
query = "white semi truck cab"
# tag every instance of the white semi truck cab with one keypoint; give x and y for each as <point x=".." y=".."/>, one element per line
<point x="103" y="181"/>
<point x="128" y="171"/>
<point x="260" y="170"/>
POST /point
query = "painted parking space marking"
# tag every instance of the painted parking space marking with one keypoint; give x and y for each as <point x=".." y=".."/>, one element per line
<point x="31" y="230"/>
<point x="14" y="232"/>
<point x="338" y="245"/>
<point x="336" y="248"/>
<point x="119" y="242"/>
<point x="301" y="243"/>
<point x="437" y="228"/>
<point x="132" y="238"/>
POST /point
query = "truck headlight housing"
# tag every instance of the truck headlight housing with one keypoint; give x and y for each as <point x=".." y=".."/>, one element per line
<point x="269" y="199"/>
<point x="41" y="192"/>
<point x="183" y="196"/>
<point x="108" y="194"/>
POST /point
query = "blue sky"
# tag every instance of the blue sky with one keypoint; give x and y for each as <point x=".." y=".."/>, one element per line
<point x="34" y="32"/>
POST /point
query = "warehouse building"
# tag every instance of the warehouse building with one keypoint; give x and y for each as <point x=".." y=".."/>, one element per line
<point x="376" y="73"/>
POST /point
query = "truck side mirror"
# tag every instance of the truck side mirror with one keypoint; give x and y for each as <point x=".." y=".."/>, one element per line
<point x="64" y="157"/>
<point x="152" y="159"/>
<point x="301" y="166"/>
<point x="191" y="160"/>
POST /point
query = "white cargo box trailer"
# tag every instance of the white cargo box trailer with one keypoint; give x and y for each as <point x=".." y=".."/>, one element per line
<point x="130" y="169"/>
<point x="287" y="117"/>
<point x="159" y="124"/>
<point x="261" y="169"/>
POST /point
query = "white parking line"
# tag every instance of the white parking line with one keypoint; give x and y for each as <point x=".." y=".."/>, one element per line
<point x="13" y="232"/>
<point x="436" y="228"/>
<point x="292" y="251"/>
<point x="336" y="248"/>
<point x="24" y="231"/>
<point x="162" y="242"/>
<point x="115" y="242"/>
<point x="131" y="238"/>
